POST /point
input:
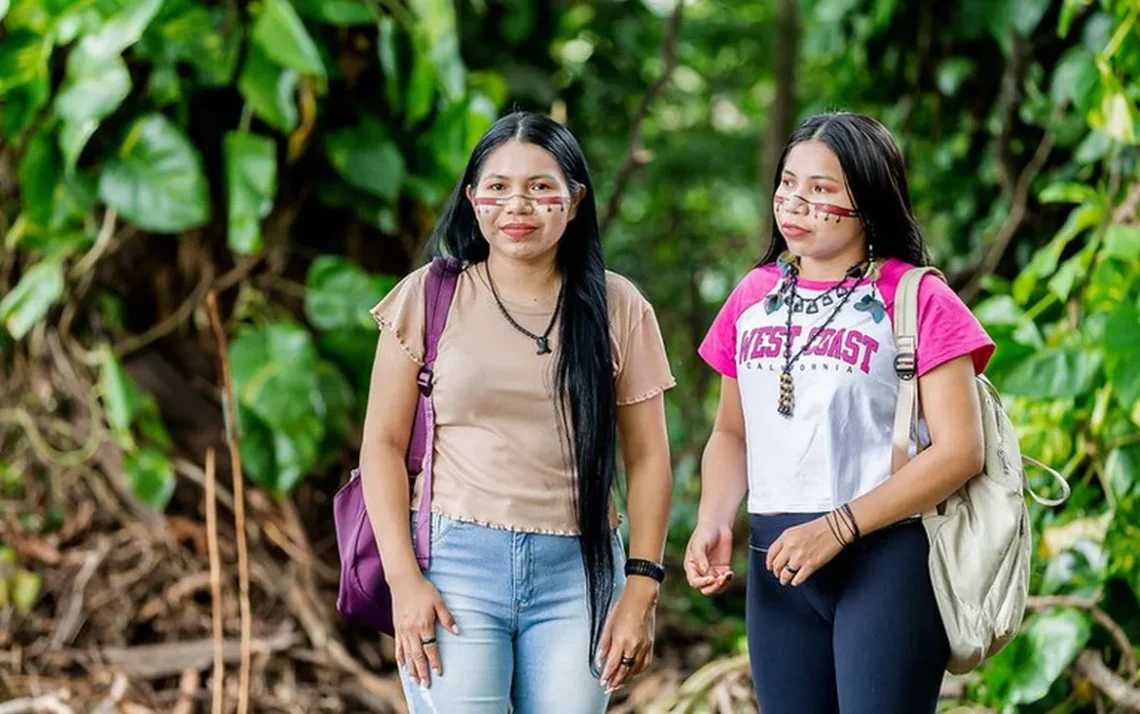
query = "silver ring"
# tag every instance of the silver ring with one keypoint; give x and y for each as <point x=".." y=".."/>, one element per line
<point x="791" y="570"/>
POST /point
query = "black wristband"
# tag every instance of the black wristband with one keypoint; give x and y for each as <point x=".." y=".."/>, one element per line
<point x="639" y="566"/>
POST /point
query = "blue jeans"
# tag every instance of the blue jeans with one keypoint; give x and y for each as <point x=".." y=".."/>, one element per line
<point x="519" y="601"/>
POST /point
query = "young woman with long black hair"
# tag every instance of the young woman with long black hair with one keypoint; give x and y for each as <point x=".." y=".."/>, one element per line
<point x="545" y="359"/>
<point x="841" y="615"/>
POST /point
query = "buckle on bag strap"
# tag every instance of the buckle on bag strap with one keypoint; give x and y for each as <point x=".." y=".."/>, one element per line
<point x="905" y="360"/>
<point x="424" y="380"/>
<point x="905" y="365"/>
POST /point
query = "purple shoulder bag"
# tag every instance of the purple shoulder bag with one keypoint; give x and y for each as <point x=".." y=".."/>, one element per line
<point x="364" y="597"/>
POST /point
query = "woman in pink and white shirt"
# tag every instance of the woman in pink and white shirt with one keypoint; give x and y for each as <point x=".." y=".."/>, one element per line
<point x="841" y="614"/>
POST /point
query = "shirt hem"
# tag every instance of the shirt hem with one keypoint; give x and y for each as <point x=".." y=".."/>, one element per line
<point x="386" y="324"/>
<point x="516" y="528"/>
<point x="648" y="395"/>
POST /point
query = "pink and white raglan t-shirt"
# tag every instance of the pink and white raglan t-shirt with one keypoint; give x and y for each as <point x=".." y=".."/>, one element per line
<point x="837" y="444"/>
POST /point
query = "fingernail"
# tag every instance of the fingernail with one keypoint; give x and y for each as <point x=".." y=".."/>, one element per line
<point x="455" y="629"/>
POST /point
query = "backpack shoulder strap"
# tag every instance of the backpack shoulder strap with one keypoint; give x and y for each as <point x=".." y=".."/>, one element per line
<point x="439" y="290"/>
<point x="906" y="362"/>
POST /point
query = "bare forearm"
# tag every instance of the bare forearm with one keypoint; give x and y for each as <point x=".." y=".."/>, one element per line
<point x="917" y="487"/>
<point x="650" y="485"/>
<point x="384" y="481"/>
<point x="724" y="478"/>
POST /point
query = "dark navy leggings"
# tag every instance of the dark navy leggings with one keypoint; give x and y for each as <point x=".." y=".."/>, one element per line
<point x="861" y="636"/>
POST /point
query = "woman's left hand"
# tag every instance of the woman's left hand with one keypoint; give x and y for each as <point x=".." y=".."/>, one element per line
<point x="802" y="550"/>
<point x="626" y="649"/>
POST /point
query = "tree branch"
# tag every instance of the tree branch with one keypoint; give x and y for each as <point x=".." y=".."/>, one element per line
<point x="245" y="614"/>
<point x="1092" y="667"/>
<point x="669" y="60"/>
<point x="1013" y="221"/>
<point x="782" y="111"/>
<point x="1006" y="109"/>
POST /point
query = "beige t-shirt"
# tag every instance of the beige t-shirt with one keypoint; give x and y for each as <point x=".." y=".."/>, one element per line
<point x="500" y="459"/>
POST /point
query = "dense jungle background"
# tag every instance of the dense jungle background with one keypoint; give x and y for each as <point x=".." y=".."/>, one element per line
<point x="188" y="180"/>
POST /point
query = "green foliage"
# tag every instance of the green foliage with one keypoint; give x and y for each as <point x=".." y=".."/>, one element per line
<point x="1027" y="668"/>
<point x="27" y="303"/>
<point x="156" y="179"/>
<point x="289" y="402"/>
<point x="251" y="184"/>
<point x="331" y="131"/>
<point x="137" y="427"/>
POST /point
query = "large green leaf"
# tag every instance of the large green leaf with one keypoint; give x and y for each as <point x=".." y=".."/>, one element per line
<point x="23" y="60"/>
<point x="40" y="173"/>
<point x="251" y="184"/>
<point x="1065" y="279"/>
<point x="421" y="82"/>
<point x="1026" y="669"/>
<point x="336" y="12"/>
<point x="22" y="104"/>
<point x="1121" y="241"/>
<point x="337" y="397"/>
<point x="1122" y="352"/>
<point x="367" y="157"/>
<point x="1076" y="79"/>
<point x="95" y="86"/>
<point x="275" y="380"/>
<point x="282" y="35"/>
<point x="28" y="302"/>
<point x="1122" y="468"/>
<point x="270" y="89"/>
<point x="441" y="43"/>
<point x="1068" y="192"/>
<point x="1028" y="15"/>
<point x="1045" y="260"/>
<point x="340" y="294"/>
<point x="124" y="25"/>
<point x="150" y="475"/>
<point x="156" y="180"/>
<point x="121" y="397"/>
<point x="1123" y="542"/>
<point x="389" y="54"/>
<point x="1053" y="373"/>
<point x="352" y="349"/>
<point x="258" y="461"/>
<point x="204" y="37"/>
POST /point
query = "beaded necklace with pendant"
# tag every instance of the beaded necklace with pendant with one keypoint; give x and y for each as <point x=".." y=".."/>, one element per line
<point x="787" y="397"/>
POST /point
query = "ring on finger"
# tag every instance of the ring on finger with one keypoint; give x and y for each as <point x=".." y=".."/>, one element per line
<point x="791" y="570"/>
<point x="627" y="661"/>
<point x="428" y="641"/>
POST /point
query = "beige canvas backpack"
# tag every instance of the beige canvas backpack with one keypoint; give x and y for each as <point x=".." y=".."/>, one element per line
<point x="980" y="537"/>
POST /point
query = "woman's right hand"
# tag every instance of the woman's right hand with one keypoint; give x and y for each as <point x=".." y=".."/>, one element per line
<point x="416" y="606"/>
<point x="708" y="558"/>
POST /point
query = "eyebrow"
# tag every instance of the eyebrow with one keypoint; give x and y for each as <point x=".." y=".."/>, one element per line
<point x="825" y="177"/>
<point x="548" y="177"/>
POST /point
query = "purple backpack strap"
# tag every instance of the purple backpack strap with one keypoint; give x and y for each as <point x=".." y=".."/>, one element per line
<point x="438" y="292"/>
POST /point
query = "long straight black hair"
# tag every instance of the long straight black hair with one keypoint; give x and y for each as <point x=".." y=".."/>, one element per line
<point x="584" y="381"/>
<point x="876" y="181"/>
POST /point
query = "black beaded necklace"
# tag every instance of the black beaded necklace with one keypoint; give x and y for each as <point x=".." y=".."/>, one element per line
<point x="787" y="399"/>
<point x="543" y="340"/>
